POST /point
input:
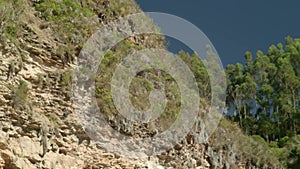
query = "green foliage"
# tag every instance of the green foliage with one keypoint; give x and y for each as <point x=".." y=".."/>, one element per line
<point x="252" y="149"/>
<point x="282" y="154"/>
<point x="11" y="13"/>
<point x="20" y="95"/>
<point x="200" y="73"/>
<point x="273" y="144"/>
<point x="117" y="8"/>
<point x="66" y="80"/>
<point x="72" y="22"/>
<point x="259" y="139"/>
<point x="144" y="83"/>
<point x="282" y="142"/>
<point x="62" y="11"/>
<point x="264" y="94"/>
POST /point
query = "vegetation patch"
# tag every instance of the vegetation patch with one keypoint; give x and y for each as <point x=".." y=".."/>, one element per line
<point x="20" y="94"/>
<point x="71" y="21"/>
<point x="11" y="13"/>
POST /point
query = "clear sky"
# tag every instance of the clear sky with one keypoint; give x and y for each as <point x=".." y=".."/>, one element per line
<point x="235" y="26"/>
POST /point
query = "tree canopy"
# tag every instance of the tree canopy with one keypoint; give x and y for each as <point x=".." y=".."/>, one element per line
<point x="263" y="95"/>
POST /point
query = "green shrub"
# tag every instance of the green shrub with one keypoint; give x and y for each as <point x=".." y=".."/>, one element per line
<point x="20" y="95"/>
<point x="10" y="18"/>
<point x="259" y="139"/>
<point x="66" y="80"/>
<point x="281" y="153"/>
<point x="71" y="21"/>
<point x="282" y="142"/>
<point x="273" y="144"/>
<point x="62" y="11"/>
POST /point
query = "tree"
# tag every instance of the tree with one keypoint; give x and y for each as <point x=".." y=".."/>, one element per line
<point x="266" y="91"/>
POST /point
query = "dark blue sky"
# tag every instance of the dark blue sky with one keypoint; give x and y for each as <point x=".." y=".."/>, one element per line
<point x="235" y="26"/>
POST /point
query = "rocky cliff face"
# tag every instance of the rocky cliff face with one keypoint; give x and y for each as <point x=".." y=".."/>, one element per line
<point x="38" y="126"/>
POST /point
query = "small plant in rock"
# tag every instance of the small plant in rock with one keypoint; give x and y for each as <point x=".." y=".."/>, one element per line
<point x="66" y="80"/>
<point x="20" y="94"/>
